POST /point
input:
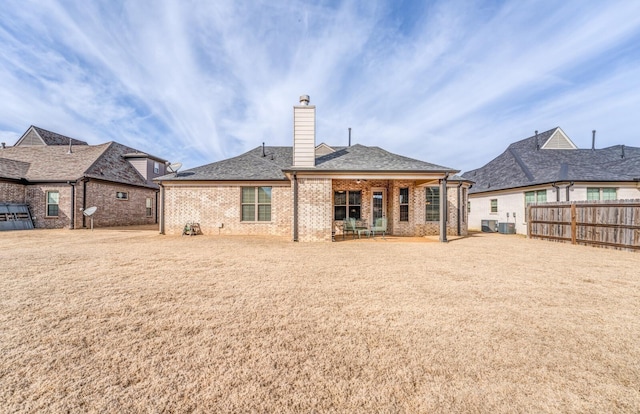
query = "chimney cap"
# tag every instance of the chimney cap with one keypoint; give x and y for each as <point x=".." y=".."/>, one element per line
<point x="304" y="100"/>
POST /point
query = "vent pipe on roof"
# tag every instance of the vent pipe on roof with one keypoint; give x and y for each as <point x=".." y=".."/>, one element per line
<point x="537" y="143"/>
<point x="593" y="139"/>
<point x="349" y="138"/>
<point x="4" y="145"/>
<point x="304" y="100"/>
<point x="622" y="155"/>
<point x="263" y="153"/>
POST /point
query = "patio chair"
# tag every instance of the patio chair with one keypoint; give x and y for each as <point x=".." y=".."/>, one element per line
<point x="349" y="226"/>
<point x="379" y="226"/>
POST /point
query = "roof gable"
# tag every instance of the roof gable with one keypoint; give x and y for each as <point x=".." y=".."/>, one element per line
<point x="558" y="140"/>
<point x="323" y="149"/>
<point x="38" y="136"/>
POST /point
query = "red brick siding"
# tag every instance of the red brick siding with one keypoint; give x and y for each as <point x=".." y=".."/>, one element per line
<point x="36" y="198"/>
<point x="113" y="212"/>
<point x="12" y="192"/>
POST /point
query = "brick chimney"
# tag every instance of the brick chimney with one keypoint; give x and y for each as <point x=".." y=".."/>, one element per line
<point x="304" y="134"/>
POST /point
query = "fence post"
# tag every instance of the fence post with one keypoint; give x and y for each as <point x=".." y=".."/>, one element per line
<point x="573" y="224"/>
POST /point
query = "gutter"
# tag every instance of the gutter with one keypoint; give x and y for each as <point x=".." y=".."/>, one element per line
<point x="443" y="209"/>
<point x="161" y="208"/>
<point x="460" y="209"/>
<point x="568" y="187"/>
<point x="557" y="191"/>
<point x="85" y="180"/>
<point x="72" y="215"/>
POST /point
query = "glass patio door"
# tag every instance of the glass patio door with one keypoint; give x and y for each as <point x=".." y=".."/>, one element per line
<point x="378" y="204"/>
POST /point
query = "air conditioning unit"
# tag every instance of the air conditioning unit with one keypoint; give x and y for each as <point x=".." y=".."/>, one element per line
<point x="490" y="226"/>
<point x="507" y="228"/>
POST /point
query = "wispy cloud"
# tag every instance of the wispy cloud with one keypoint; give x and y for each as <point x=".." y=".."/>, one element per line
<point x="201" y="81"/>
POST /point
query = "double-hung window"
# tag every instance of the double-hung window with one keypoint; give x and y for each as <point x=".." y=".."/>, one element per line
<point x="347" y="204"/>
<point x="531" y="197"/>
<point x="404" y="204"/>
<point x="494" y="205"/>
<point x="53" y="201"/>
<point x="149" y="207"/>
<point x="539" y="196"/>
<point x="432" y="204"/>
<point x="595" y="194"/>
<point x="256" y="203"/>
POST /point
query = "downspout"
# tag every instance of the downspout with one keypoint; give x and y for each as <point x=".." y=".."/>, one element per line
<point x="161" y="208"/>
<point x="84" y="200"/>
<point x="295" y="207"/>
<point x="443" y="209"/>
<point x="557" y="191"/>
<point x="156" y="204"/>
<point x="72" y="215"/>
<point x="460" y="208"/>
<point x="568" y="187"/>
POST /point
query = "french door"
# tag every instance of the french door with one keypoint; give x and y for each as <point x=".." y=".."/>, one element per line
<point x="378" y="204"/>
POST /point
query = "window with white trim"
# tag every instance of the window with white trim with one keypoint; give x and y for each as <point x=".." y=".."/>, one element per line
<point x="156" y="167"/>
<point x="494" y="205"/>
<point x="53" y="204"/>
<point x="122" y="195"/>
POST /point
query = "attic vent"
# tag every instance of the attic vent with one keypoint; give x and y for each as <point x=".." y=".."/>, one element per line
<point x="558" y="141"/>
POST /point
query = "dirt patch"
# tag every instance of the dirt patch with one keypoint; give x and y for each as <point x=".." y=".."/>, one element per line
<point x="129" y="321"/>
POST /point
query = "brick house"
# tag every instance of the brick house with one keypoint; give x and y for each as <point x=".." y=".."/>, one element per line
<point x="306" y="191"/>
<point x="59" y="177"/>
<point x="549" y="167"/>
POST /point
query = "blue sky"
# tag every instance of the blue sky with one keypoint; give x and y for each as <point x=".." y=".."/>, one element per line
<point x="448" y="82"/>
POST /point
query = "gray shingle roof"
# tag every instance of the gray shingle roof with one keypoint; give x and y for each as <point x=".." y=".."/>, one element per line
<point x="252" y="165"/>
<point x="522" y="164"/>
<point x="54" y="163"/>
<point x="53" y="138"/>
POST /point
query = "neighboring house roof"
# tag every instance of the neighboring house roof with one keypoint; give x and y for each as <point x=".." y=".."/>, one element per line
<point x="45" y="163"/>
<point x="13" y="169"/>
<point x="551" y="157"/>
<point x="271" y="163"/>
<point x="39" y="136"/>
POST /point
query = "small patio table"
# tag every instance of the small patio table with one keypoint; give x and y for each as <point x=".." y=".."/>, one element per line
<point x="362" y="230"/>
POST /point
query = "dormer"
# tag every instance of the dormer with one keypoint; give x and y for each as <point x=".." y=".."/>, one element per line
<point x="147" y="165"/>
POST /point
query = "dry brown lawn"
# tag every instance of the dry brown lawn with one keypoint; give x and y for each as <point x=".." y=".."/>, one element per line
<point x="131" y="321"/>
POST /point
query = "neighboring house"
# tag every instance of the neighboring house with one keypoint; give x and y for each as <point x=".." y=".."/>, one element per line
<point x="58" y="177"/>
<point x="306" y="191"/>
<point x="550" y="167"/>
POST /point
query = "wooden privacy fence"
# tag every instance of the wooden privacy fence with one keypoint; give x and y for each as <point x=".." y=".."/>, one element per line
<point x="614" y="224"/>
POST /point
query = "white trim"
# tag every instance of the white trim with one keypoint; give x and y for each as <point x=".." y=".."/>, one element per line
<point x="27" y="133"/>
<point x="384" y="201"/>
<point x="559" y="131"/>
